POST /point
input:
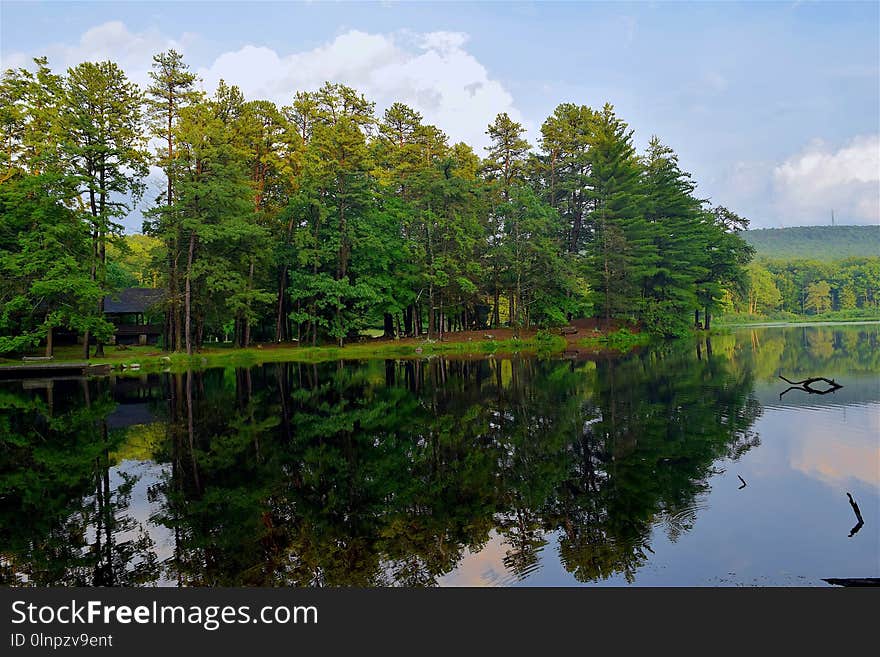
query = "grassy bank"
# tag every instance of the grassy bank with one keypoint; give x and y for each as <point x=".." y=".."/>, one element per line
<point x="467" y="344"/>
<point x="842" y="316"/>
<point x="622" y="340"/>
<point x="151" y="358"/>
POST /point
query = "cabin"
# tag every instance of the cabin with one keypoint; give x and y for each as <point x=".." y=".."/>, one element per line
<point x="130" y="310"/>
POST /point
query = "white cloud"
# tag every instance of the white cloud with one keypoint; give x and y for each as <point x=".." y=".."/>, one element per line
<point x="431" y="72"/>
<point x="810" y="184"/>
<point x="133" y="51"/>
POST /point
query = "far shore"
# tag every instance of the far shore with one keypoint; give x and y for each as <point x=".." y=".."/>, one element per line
<point x="792" y="322"/>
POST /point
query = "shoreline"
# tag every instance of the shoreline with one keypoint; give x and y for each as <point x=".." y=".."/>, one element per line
<point x="134" y="360"/>
<point x="771" y="323"/>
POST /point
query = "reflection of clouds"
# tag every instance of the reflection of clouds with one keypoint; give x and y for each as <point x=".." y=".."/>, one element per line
<point x="835" y="444"/>
<point x="483" y="568"/>
<point x="141" y="509"/>
<point x="850" y="451"/>
<point x="836" y="464"/>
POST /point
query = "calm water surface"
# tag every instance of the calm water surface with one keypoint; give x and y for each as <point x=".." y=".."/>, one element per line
<point x="680" y="465"/>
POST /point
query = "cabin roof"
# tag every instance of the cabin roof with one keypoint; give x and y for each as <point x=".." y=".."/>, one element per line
<point x="132" y="300"/>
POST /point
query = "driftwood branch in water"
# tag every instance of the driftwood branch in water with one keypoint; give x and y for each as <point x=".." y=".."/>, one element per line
<point x="855" y="508"/>
<point x="854" y="581"/>
<point x="806" y="384"/>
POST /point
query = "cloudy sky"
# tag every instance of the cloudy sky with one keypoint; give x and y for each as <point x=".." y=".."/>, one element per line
<point x="774" y="107"/>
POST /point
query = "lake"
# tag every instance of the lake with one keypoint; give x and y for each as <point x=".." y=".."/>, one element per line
<point x="684" y="464"/>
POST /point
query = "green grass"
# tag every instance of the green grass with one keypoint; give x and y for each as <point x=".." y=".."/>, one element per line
<point x="150" y="358"/>
<point x="855" y="315"/>
<point x="621" y="340"/>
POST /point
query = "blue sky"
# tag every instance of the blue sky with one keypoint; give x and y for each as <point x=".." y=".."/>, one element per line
<point x="774" y="107"/>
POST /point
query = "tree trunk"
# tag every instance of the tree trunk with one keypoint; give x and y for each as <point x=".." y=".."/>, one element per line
<point x="102" y="258"/>
<point x="431" y="318"/>
<point x="280" y="321"/>
<point x="178" y="324"/>
<point x="166" y="331"/>
<point x="247" y="319"/>
<point x="607" y="276"/>
<point x="50" y="347"/>
<point x="187" y="299"/>
<point x="171" y="305"/>
<point x="388" y="321"/>
<point x="708" y="318"/>
<point x="408" y="321"/>
<point x="440" y="313"/>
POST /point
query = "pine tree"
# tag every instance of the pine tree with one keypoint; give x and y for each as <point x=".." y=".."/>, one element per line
<point x="172" y="89"/>
<point x="621" y="252"/>
<point x="213" y="210"/>
<point x="564" y="169"/>
<point x="45" y="246"/>
<point x="674" y="215"/>
<point x="504" y="166"/>
<point x="104" y="146"/>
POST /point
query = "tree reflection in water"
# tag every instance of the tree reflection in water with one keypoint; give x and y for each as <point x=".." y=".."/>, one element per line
<point x="365" y="474"/>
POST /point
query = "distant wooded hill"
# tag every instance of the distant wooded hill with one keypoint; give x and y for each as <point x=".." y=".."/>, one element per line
<point x="815" y="242"/>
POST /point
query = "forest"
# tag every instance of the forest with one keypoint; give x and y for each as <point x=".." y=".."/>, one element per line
<point x="780" y="288"/>
<point x="317" y="220"/>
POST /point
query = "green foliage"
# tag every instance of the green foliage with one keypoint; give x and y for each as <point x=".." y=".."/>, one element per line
<point x="319" y="220"/>
<point x="808" y="287"/>
<point x="622" y="340"/>
<point x="818" y="297"/>
<point x="51" y="274"/>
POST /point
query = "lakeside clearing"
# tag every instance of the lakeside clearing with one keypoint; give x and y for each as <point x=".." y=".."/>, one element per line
<point x="461" y="344"/>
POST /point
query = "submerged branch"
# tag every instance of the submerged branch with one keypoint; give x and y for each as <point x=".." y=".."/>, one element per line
<point x="860" y="523"/>
<point x="806" y="384"/>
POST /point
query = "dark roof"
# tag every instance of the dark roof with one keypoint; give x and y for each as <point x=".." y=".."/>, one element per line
<point x="133" y="300"/>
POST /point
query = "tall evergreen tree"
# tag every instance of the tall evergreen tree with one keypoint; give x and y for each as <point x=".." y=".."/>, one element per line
<point x="564" y="169"/>
<point x="504" y="166"/>
<point x="172" y="88"/>
<point x="621" y="251"/>
<point x="674" y="215"/>
<point x="104" y="146"/>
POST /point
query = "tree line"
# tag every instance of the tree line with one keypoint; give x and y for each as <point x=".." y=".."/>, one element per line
<point x="808" y="287"/>
<point x="318" y="219"/>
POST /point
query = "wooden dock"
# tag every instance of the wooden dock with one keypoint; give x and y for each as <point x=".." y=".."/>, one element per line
<point x="44" y="370"/>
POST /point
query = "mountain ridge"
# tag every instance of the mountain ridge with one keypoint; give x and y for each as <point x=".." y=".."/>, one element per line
<point x="823" y="243"/>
